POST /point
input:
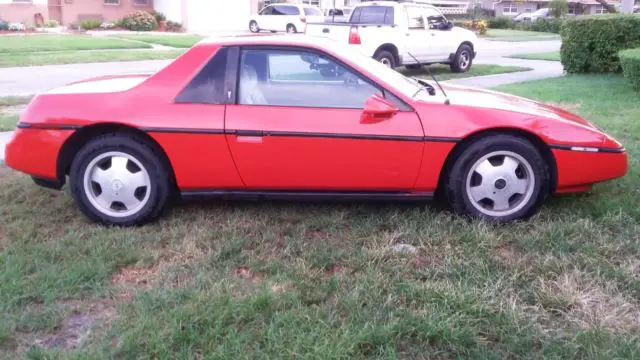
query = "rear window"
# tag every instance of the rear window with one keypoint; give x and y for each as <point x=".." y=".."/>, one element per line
<point x="285" y="10"/>
<point x="373" y="15"/>
<point x="310" y="11"/>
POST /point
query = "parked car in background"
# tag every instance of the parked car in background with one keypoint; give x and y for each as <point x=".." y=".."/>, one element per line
<point x="403" y="33"/>
<point x="338" y="14"/>
<point x="291" y="18"/>
<point x="543" y="13"/>
<point x="299" y="117"/>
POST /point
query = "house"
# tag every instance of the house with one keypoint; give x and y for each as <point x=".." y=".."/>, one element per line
<point x="576" y="7"/>
<point x="69" y="11"/>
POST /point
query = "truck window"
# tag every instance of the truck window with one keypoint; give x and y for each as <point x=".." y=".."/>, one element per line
<point x="414" y="17"/>
<point x="434" y="18"/>
<point x="379" y="15"/>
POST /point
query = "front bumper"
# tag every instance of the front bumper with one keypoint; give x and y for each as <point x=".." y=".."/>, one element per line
<point x="579" y="170"/>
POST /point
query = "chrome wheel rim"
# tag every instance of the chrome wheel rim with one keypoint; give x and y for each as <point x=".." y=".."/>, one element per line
<point x="386" y="62"/>
<point x="500" y="183"/>
<point x="253" y="27"/>
<point x="117" y="184"/>
<point x="464" y="60"/>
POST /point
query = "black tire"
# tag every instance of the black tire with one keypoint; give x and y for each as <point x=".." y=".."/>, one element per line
<point x="455" y="184"/>
<point x="159" y="177"/>
<point x="386" y="58"/>
<point x="463" y="59"/>
<point x="253" y="26"/>
<point x="291" y="29"/>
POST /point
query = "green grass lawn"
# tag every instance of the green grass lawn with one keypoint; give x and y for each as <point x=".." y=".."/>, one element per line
<point x="10" y="110"/>
<point x="443" y="72"/>
<point x="32" y="43"/>
<point x="551" y="56"/>
<point x="74" y="57"/>
<point x="177" y="41"/>
<point x="282" y="280"/>
<point x="519" y="35"/>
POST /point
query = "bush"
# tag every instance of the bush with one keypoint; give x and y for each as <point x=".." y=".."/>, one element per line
<point x="630" y="62"/>
<point x="158" y="15"/>
<point x="4" y="25"/>
<point x="174" y="26"/>
<point x="590" y="44"/>
<point x="547" y="25"/>
<point x="90" y="24"/>
<point x="479" y="26"/>
<point x="52" y="24"/>
<point x="139" y="21"/>
<point x="500" y="22"/>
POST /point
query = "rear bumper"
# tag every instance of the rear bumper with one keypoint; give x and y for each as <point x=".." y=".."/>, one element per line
<point x="578" y="170"/>
<point x="35" y="152"/>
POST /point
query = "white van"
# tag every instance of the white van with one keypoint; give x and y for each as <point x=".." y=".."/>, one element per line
<point x="291" y="18"/>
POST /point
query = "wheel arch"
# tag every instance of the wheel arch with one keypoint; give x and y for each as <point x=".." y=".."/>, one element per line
<point x="82" y="136"/>
<point x="534" y="139"/>
<point x="390" y="48"/>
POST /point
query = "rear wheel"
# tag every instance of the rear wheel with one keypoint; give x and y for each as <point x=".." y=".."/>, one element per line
<point x="291" y="29"/>
<point x="118" y="179"/>
<point x="498" y="178"/>
<point x="463" y="59"/>
<point x="253" y="26"/>
<point x="386" y="58"/>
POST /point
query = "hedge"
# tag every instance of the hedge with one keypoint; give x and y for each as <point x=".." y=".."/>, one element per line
<point x="591" y="44"/>
<point x="630" y="61"/>
<point x="548" y="25"/>
<point x="500" y="22"/>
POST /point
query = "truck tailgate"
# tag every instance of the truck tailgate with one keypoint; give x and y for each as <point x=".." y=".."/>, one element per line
<point x="333" y="31"/>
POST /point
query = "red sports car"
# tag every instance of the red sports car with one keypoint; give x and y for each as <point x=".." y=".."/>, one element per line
<point x="298" y="117"/>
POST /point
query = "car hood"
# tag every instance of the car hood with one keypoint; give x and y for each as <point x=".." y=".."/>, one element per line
<point x="105" y="84"/>
<point x="481" y="98"/>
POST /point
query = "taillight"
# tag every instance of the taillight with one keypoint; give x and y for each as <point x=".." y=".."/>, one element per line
<point x="303" y="19"/>
<point x="354" y="37"/>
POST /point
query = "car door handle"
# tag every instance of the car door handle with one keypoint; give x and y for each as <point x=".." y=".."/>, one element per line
<point x="249" y="136"/>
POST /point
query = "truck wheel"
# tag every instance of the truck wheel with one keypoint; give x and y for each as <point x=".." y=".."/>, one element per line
<point x="386" y="58"/>
<point x="463" y="59"/>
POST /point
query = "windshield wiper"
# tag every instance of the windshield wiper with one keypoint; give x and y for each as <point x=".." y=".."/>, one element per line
<point x="422" y="82"/>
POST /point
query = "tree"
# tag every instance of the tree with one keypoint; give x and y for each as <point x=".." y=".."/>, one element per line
<point x="610" y="8"/>
<point x="558" y="8"/>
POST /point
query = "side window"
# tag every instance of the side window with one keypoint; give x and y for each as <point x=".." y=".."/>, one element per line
<point x="286" y="10"/>
<point x="208" y="86"/>
<point x="414" y="17"/>
<point x="375" y="15"/>
<point x="434" y="18"/>
<point x="299" y="79"/>
<point x="267" y="11"/>
<point x="355" y="17"/>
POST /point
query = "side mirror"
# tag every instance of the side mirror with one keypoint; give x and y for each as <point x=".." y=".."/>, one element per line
<point x="377" y="109"/>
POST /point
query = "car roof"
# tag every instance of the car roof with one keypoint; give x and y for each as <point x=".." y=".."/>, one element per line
<point x="286" y="40"/>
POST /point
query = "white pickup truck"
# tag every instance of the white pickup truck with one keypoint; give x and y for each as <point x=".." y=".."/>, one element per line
<point x="393" y="31"/>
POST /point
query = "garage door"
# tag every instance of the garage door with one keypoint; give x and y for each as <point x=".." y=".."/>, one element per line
<point x="216" y="16"/>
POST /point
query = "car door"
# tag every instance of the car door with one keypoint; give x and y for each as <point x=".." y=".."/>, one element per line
<point x="441" y="39"/>
<point x="418" y="39"/>
<point x="298" y="124"/>
<point x="265" y="17"/>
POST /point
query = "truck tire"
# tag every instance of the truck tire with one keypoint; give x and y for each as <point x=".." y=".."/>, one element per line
<point x="386" y="58"/>
<point x="463" y="59"/>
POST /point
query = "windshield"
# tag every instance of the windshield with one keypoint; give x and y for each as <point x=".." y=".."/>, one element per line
<point x="400" y="82"/>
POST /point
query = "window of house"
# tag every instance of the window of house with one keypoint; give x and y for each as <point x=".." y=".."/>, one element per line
<point x="571" y="9"/>
<point x="299" y="79"/>
<point x="22" y="1"/>
<point x="141" y="2"/>
<point x="208" y="86"/>
<point x="112" y="2"/>
<point x="509" y="8"/>
<point x="601" y="9"/>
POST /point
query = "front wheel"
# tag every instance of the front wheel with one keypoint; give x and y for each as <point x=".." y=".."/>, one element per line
<point x="253" y="26"/>
<point x="498" y="178"/>
<point x="463" y="59"/>
<point x="119" y="179"/>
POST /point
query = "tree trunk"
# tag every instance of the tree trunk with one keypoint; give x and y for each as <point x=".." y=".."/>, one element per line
<point x="610" y="8"/>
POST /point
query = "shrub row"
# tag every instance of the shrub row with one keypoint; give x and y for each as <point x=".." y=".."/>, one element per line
<point x="630" y="63"/>
<point x="591" y="44"/>
<point x="542" y="25"/>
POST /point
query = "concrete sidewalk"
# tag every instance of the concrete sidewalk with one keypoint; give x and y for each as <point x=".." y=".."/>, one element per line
<point x="542" y="69"/>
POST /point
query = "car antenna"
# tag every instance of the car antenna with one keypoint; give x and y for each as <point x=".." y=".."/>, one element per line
<point x="446" y="101"/>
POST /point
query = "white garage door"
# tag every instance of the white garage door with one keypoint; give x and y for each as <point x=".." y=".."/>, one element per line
<point x="218" y="16"/>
